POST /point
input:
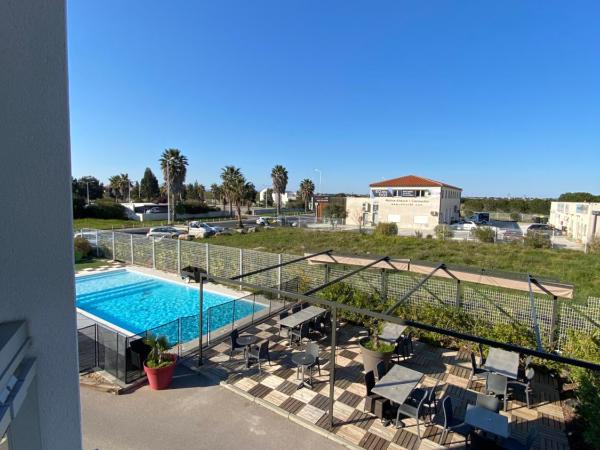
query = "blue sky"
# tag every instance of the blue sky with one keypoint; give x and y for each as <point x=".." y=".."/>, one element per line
<point x="496" y="97"/>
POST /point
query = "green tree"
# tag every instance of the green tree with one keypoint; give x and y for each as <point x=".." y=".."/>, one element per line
<point x="235" y="186"/>
<point x="149" y="185"/>
<point x="279" y="175"/>
<point x="119" y="186"/>
<point x="306" y="191"/>
<point x="174" y="168"/>
<point x="250" y="194"/>
<point x="584" y="197"/>
<point x="86" y="184"/>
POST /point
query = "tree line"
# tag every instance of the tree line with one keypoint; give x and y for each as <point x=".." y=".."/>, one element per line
<point x="234" y="190"/>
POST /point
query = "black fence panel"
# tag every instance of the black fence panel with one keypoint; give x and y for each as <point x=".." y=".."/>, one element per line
<point x="86" y="342"/>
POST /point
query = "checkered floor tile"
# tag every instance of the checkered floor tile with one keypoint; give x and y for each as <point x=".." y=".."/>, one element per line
<point x="278" y="383"/>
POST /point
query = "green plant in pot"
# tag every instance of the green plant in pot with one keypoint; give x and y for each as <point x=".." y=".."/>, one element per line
<point x="160" y="365"/>
<point x="374" y="350"/>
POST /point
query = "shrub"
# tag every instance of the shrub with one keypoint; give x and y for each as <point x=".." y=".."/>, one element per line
<point x="82" y="248"/>
<point x="484" y="234"/>
<point x="195" y="207"/>
<point x="105" y="209"/>
<point x="515" y="216"/>
<point x="419" y="234"/>
<point x="537" y="240"/>
<point x="386" y="229"/>
<point x="443" y="231"/>
<point x="594" y="246"/>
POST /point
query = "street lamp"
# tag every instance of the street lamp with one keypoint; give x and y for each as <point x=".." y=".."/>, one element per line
<point x="320" y="175"/>
<point x="168" y="160"/>
<point x="87" y="188"/>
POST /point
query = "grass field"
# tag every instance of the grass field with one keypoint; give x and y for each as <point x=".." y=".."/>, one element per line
<point x="107" y="224"/>
<point x="92" y="263"/>
<point x="568" y="266"/>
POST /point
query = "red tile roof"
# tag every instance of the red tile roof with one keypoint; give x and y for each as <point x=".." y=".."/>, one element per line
<point x="411" y="181"/>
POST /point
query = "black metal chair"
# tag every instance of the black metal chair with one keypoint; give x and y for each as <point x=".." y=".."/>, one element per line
<point x="381" y="369"/>
<point x="431" y="400"/>
<point x="374" y="404"/>
<point x="298" y="334"/>
<point x="525" y="387"/>
<point x="450" y="423"/>
<point x="305" y="305"/>
<point x="283" y="315"/>
<point x="312" y="348"/>
<point x="481" y="357"/>
<point x="488" y="402"/>
<point x="476" y="372"/>
<point x="324" y="323"/>
<point x="413" y="407"/>
<point x="407" y="345"/>
<point x="235" y="347"/>
<point x="497" y="385"/>
<point x="260" y="353"/>
<point x="513" y="444"/>
<point x="297" y="307"/>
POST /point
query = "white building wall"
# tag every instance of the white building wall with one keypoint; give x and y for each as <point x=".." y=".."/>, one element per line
<point x="580" y="220"/>
<point x="36" y="268"/>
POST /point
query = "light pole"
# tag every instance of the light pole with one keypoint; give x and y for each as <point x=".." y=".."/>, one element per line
<point x="87" y="188"/>
<point x="168" y="193"/>
<point x="320" y="176"/>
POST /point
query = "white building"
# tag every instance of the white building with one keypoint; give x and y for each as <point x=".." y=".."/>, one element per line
<point x="579" y="220"/>
<point x="411" y="202"/>
<point x="285" y="197"/>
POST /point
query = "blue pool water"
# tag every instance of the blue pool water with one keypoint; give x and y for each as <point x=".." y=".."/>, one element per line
<point x="138" y="302"/>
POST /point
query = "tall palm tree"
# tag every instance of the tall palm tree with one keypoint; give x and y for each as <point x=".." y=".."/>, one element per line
<point x="307" y="190"/>
<point x="174" y="168"/>
<point x="279" y="175"/>
<point x="125" y="185"/>
<point x="234" y="186"/>
<point x="114" y="186"/>
<point x="249" y="195"/>
<point x="217" y="194"/>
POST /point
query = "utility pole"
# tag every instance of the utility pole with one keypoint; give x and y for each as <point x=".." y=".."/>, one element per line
<point x="320" y="176"/>
<point x="87" y="188"/>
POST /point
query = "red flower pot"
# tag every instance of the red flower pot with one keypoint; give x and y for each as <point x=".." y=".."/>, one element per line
<point x="161" y="378"/>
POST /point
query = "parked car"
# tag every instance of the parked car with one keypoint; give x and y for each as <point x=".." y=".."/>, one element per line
<point x="261" y="221"/>
<point x="464" y="225"/>
<point x="163" y="232"/>
<point x="543" y="228"/>
<point x="153" y="210"/>
<point x="200" y="229"/>
<point x="480" y="218"/>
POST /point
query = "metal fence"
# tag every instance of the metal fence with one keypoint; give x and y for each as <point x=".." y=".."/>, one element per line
<point x="495" y="305"/>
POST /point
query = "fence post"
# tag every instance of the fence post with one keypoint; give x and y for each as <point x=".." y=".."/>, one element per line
<point x="113" y="247"/>
<point x="279" y="274"/>
<point x="97" y="245"/>
<point x="207" y="258"/>
<point x="553" y="323"/>
<point x="131" y="246"/>
<point x="384" y="284"/>
<point x="178" y="256"/>
<point x="233" y="317"/>
<point x="153" y="253"/>
<point x="458" y="293"/>
<point x="179" y="336"/>
<point x="241" y="264"/>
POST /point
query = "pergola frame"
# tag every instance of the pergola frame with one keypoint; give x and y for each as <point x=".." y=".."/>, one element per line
<point x="387" y="316"/>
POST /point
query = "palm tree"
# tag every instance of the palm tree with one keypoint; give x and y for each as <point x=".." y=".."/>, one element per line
<point x="279" y="175"/>
<point x="174" y="167"/>
<point x="235" y="188"/>
<point x="125" y="185"/>
<point x="249" y="194"/>
<point x="307" y="190"/>
<point x="217" y="193"/>
<point x="114" y="186"/>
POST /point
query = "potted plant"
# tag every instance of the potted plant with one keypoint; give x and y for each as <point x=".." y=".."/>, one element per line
<point x="159" y="365"/>
<point x="373" y="350"/>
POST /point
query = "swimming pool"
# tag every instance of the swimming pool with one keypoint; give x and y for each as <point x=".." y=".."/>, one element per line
<point x="136" y="302"/>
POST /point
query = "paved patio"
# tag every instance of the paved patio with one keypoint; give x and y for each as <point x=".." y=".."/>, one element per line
<point x="276" y="387"/>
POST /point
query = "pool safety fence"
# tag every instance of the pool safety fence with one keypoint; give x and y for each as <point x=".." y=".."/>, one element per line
<point x="552" y="317"/>
<point x="122" y="356"/>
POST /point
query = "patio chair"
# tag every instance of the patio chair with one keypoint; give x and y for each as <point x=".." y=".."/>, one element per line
<point x="488" y="402"/>
<point x="431" y="400"/>
<point x="324" y="323"/>
<point x="260" y="353"/>
<point x="283" y="315"/>
<point x="413" y="407"/>
<point x="522" y="370"/>
<point x="523" y="387"/>
<point x="477" y="372"/>
<point x="481" y="357"/>
<point x="450" y="423"/>
<point x="407" y="345"/>
<point x="235" y="347"/>
<point x="497" y="385"/>
<point x="312" y="348"/>
<point x="297" y="307"/>
<point x="298" y="334"/>
<point x="374" y="404"/>
<point x="513" y="444"/>
<point x="305" y="305"/>
<point x="380" y="370"/>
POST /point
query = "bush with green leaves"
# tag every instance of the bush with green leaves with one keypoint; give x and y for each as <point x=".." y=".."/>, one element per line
<point x="586" y="346"/>
<point x="443" y="231"/>
<point x="82" y="248"/>
<point x="537" y="240"/>
<point x="484" y="234"/>
<point x="515" y="216"/>
<point x="386" y="229"/>
<point x="105" y="209"/>
<point x="594" y="246"/>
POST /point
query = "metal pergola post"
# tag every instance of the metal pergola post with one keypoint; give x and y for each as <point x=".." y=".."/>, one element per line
<point x="332" y="363"/>
<point x="534" y="320"/>
<point x="200" y="318"/>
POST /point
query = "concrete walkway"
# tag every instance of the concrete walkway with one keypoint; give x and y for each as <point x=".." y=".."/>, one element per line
<point x="195" y="414"/>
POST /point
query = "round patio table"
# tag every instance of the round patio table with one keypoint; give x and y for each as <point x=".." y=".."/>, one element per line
<point x="247" y="340"/>
<point x="303" y="360"/>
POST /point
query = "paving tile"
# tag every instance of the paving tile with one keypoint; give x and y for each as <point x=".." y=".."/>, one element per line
<point x="260" y="391"/>
<point x="311" y="413"/>
<point x="351" y="433"/>
<point x="272" y="381"/>
<point x="406" y="439"/>
<point x="373" y="442"/>
<point x="361" y="419"/>
<point x="305" y="395"/>
<point x="379" y="429"/>
<point x="245" y="384"/>
<point x="320" y="401"/>
<point x="287" y="388"/>
<point x="342" y="411"/>
<point x="275" y="397"/>
<point x="349" y="399"/>
<point x="292" y="405"/>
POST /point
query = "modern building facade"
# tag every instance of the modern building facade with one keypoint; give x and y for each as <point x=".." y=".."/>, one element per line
<point x="411" y="202"/>
<point x="579" y="220"/>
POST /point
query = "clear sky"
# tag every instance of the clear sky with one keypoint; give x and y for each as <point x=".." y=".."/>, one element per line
<point x="498" y="97"/>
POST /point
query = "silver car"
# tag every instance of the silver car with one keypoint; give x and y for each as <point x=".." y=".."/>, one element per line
<point x="163" y="232"/>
